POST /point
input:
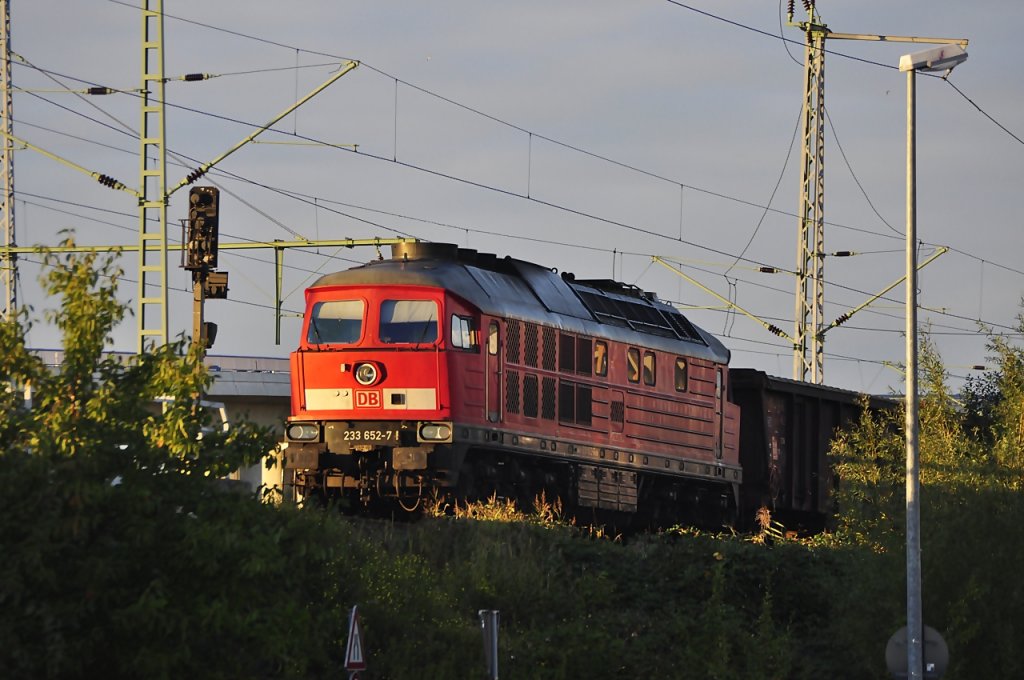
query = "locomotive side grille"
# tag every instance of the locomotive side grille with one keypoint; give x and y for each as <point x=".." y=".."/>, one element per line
<point x="549" y="349"/>
<point x="618" y="412"/>
<point x="567" y="353"/>
<point x="566" y="402"/>
<point x="547" y="399"/>
<point x="584" y="404"/>
<point x="530" y="345"/>
<point x="530" y="396"/>
<point x="512" y="341"/>
<point x="584" y="356"/>
<point x="575" y="403"/>
<point x="512" y="392"/>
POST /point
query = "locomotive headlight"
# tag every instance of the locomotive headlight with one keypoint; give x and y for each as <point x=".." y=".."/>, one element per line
<point x="367" y="374"/>
<point x="303" y="432"/>
<point x="435" y="432"/>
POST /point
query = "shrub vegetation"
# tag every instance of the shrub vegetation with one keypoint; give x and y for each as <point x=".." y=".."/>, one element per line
<point x="121" y="556"/>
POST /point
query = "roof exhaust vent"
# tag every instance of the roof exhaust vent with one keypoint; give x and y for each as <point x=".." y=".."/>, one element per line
<point x="422" y="250"/>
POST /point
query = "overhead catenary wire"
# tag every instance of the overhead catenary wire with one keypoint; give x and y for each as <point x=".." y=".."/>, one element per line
<point x="505" y="123"/>
<point x="495" y="119"/>
<point x="786" y="40"/>
<point x="711" y="15"/>
<point x="313" y="201"/>
<point x="842" y="152"/>
<point x="624" y="166"/>
<point x="778" y="183"/>
<point x="230" y="253"/>
<point x="526" y="196"/>
<point x="983" y="112"/>
<point x="187" y="291"/>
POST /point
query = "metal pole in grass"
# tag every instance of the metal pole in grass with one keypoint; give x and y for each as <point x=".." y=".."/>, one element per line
<point x="489" y="625"/>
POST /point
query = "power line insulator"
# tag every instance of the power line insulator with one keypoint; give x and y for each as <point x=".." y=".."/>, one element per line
<point x="196" y="174"/>
<point x="99" y="90"/>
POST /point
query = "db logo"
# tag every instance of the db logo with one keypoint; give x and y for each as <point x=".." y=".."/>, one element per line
<point x="368" y="399"/>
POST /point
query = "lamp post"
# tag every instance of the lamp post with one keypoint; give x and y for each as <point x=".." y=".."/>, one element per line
<point x="943" y="58"/>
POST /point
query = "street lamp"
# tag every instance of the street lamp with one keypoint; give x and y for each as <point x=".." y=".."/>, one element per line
<point x="943" y="58"/>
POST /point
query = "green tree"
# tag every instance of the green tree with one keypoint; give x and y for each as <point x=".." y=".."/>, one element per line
<point x="971" y="501"/>
<point x="121" y="556"/>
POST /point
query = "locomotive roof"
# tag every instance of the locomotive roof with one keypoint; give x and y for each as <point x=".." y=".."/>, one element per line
<point x="522" y="290"/>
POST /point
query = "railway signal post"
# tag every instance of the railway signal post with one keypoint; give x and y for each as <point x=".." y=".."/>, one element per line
<point x="200" y="257"/>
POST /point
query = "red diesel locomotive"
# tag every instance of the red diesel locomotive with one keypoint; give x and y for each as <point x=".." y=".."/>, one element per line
<point x="446" y="371"/>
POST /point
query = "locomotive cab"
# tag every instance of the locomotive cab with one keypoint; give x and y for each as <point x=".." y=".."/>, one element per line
<point x="369" y="378"/>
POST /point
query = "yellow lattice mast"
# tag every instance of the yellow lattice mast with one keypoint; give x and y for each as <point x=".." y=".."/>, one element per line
<point x="152" y="297"/>
<point x="9" y="260"/>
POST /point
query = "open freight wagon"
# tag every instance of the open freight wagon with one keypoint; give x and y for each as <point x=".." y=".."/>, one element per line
<point x="785" y="434"/>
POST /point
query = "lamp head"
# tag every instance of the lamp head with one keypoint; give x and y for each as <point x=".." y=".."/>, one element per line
<point x="942" y="58"/>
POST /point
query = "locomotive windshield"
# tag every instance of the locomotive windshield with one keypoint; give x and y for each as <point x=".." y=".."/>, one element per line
<point x="412" y="321"/>
<point x="336" y="322"/>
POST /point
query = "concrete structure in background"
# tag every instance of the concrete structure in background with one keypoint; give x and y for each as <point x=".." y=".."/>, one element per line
<point x="256" y="389"/>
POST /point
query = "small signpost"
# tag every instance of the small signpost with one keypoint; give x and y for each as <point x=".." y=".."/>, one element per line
<point x="355" y="660"/>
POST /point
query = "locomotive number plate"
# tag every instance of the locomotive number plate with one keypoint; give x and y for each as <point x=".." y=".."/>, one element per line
<point x="371" y="435"/>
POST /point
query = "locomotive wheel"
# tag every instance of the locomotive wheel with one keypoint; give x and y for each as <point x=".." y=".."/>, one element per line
<point x="406" y="503"/>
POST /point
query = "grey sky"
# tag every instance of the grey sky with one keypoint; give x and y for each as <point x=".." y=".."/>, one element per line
<point x="708" y="106"/>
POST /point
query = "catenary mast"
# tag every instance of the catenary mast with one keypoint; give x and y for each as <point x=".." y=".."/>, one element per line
<point x="152" y="296"/>
<point x="9" y="261"/>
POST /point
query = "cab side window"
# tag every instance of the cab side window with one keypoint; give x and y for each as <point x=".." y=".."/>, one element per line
<point x="464" y="335"/>
<point x="633" y="365"/>
<point x="492" y="339"/>
<point x="650" y="369"/>
<point x="601" y="358"/>
<point x="682" y="377"/>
